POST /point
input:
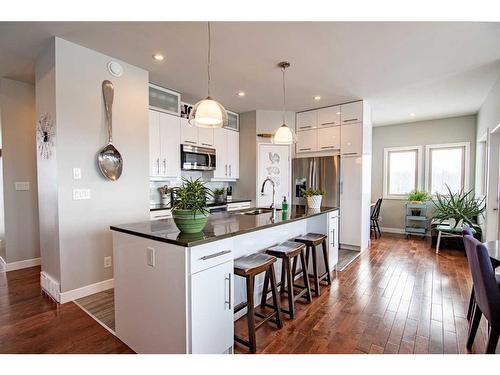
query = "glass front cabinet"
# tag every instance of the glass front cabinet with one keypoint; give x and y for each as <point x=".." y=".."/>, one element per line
<point x="164" y="100"/>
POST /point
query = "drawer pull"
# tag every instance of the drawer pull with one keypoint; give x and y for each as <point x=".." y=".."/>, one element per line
<point x="190" y="142"/>
<point x="215" y="255"/>
<point x="327" y="146"/>
<point x="206" y="144"/>
<point x="351" y="120"/>
<point x="304" y="149"/>
<point x="305" y="127"/>
<point x="350" y="153"/>
<point x="329" y="123"/>
<point x="162" y="217"/>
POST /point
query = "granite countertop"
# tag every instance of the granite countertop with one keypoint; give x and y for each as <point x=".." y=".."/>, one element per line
<point x="220" y="225"/>
<point x="160" y="206"/>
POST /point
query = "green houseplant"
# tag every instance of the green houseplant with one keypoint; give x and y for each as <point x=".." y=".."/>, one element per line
<point x="219" y="195"/>
<point x="418" y="196"/>
<point x="313" y="197"/>
<point x="460" y="207"/>
<point x="190" y="211"/>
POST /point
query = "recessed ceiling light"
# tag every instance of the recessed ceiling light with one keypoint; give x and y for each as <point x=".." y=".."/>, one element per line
<point x="317" y="97"/>
<point x="241" y="93"/>
<point x="412" y="114"/>
<point x="158" y="57"/>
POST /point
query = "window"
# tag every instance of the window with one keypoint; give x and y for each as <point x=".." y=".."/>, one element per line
<point x="447" y="165"/>
<point x="402" y="171"/>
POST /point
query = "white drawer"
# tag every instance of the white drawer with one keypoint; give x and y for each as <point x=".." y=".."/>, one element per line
<point x="238" y="206"/>
<point x="211" y="254"/>
<point x="160" y="214"/>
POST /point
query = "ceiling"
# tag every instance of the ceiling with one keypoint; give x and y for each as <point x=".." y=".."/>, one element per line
<point x="430" y="69"/>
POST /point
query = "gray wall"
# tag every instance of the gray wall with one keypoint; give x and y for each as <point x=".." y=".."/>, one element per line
<point x="83" y="226"/>
<point x="448" y="130"/>
<point x="488" y="119"/>
<point x="17" y="107"/>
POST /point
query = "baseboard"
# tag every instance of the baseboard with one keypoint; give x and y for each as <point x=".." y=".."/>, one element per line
<point x="20" y="264"/>
<point x="392" y="230"/>
<point x="86" y="290"/>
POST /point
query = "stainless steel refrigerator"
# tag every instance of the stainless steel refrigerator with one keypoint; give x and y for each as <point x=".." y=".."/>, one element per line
<point x="319" y="173"/>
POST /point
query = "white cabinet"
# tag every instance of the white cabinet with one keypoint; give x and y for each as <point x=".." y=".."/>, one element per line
<point x="160" y="214"/>
<point x="164" y="100"/>
<point x="350" y="201"/>
<point x="233" y="121"/>
<point x="205" y="137"/>
<point x="307" y="120"/>
<point x="189" y="134"/>
<point x="233" y="153"/>
<point x="307" y="141"/>
<point x="329" y="116"/>
<point x="227" y="148"/>
<point x="351" y="112"/>
<point x="212" y="310"/>
<point x="329" y="138"/>
<point x="351" y="140"/>
<point x="164" y="148"/>
<point x="333" y="238"/>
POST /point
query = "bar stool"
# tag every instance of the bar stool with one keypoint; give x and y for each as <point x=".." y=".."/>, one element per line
<point x="311" y="240"/>
<point x="289" y="251"/>
<point x="249" y="267"/>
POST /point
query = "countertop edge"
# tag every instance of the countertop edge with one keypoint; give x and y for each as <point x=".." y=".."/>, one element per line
<point x="221" y="237"/>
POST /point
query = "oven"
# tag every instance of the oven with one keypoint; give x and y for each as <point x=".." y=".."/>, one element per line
<point x="197" y="158"/>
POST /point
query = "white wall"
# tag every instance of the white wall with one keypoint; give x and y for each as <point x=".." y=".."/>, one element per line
<point x="488" y="119"/>
<point x="17" y="108"/>
<point x="82" y="227"/>
<point x="448" y="130"/>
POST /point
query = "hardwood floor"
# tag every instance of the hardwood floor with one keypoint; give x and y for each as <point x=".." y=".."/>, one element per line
<point x="398" y="297"/>
<point x="32" y="323"/>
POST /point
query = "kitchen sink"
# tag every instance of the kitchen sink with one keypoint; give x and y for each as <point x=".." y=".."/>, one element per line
<point x="258" y="211"/>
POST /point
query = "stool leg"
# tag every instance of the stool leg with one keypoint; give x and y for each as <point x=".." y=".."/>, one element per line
<point x="315" y="273"/>
<point x="327" y="263"/>
<point x="283" y="276"/>
<point x="291" y="304"/>
<point x="265" y="291"/>
<point x="305" y="277"/>
<point x="276" y="301"/>
<point x="251" y="314"/>
<point x="438" y="242"/>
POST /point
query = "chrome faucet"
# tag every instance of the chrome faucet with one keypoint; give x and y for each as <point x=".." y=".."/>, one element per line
<point x="272" y="206"/>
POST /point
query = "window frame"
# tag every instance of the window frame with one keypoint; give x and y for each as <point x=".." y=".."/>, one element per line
<point x="418" y="171"/>
<point x="465" y="169"/>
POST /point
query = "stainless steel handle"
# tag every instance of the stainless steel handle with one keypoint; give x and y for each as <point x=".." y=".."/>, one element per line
<point x="327" y="146"/>
<point x="305" y="127"/>
<point x="304" y="149"/>
<point x="206" y="144"/>
<point x="226" y="169"/>
<point x="163" y="217"/>
<point x="351" y="120"/>
<point x="349" y="153"/>
<point x="329" y="123"/>
<point x="193" y="143"/>
<point x="158" y="165"/>
<point x="165" y="166"/>
<point x="229" y="297"/>
<point x="230" y="170"/>
<point x="215" y="255"/>
<point x="341" y="187"/>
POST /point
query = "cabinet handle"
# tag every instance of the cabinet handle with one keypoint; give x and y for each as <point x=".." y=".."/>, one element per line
<point x="350" y="153"/>
<point x="327" y="146"/>
<point x="230" y="170"/>
<point x="193" y="143"/>
<point x="206" y="144"/>
<point x="329" y="123"/>
<point x="162" y="217"/>
<point x="158" y="166"/>
<point x="304" y="149"/>
<point x="226" y="169"/>
<point x="165" y="166"/>
<point x="215" y="255"/>
<point x="305" y="127"/>
<point x="351" y="120"/>
<point x="229" y="298"/>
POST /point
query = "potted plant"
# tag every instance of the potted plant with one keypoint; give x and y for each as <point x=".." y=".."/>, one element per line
<point x="164" y="194"/>
<point x="219" y="195"/>
<point x="190" y="211"/>
<point x="313" y="197"/>
<point x="458" y="208"/>
<point x="418" y="197"/>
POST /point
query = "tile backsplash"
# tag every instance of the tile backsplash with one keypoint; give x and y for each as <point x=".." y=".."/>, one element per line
<point x="154" y="194"/>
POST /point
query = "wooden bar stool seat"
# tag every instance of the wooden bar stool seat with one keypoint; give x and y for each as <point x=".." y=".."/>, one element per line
<point x="311" y="240"/>
<point x="249" y="267"/>
<point x="290" y="252"/>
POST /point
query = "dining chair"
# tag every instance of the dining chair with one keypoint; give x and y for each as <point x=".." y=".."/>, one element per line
<point x="374" y="218"/>
<point x="486" y="293"/>
<point x="466" y="231"/>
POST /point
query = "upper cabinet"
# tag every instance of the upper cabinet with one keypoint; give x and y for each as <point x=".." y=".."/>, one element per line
<point x="351" y="139"/>
<point x="307" y="120"/>
<point x="227" y="148"/>
<point x="307" y="141"/>
<point x="329" y="116"/>
<point x="205" y="137"/>
<point x="352" y="112"/>
<point x="164" y="145"/>
<point x="233" y="120"/>
<point x="164" y="100"/>
<point x="194" y="136"/>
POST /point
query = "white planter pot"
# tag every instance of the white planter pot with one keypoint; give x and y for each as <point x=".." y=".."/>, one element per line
<point x="314" y="201"/>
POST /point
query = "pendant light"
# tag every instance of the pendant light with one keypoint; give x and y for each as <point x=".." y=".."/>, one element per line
<point x="284" y="135"/>
<point x="208" y="113"/>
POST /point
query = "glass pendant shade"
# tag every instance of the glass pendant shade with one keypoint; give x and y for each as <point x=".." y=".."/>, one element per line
<point x="284" y="136"/>
<point x="208" y="113"/>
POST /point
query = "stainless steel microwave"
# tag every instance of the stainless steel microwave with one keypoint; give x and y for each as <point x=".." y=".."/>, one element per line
<point x="197" y="158"/>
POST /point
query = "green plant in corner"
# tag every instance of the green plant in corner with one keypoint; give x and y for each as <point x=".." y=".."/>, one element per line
<point x="311" y="192"/>
<point x="418" y="196"/>
<point x="219" y="191"/>
<point x="461" y="206"/>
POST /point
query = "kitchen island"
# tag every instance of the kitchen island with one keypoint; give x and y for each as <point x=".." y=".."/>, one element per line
<point x="175" y="293"/>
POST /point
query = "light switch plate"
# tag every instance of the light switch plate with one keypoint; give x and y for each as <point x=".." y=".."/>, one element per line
<point x="79" y="194"/>
<point x="151" y="258"/>
<point x="22" y="186"/>
<point x="77" y="173"/>
<point x="107" y="262"/>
